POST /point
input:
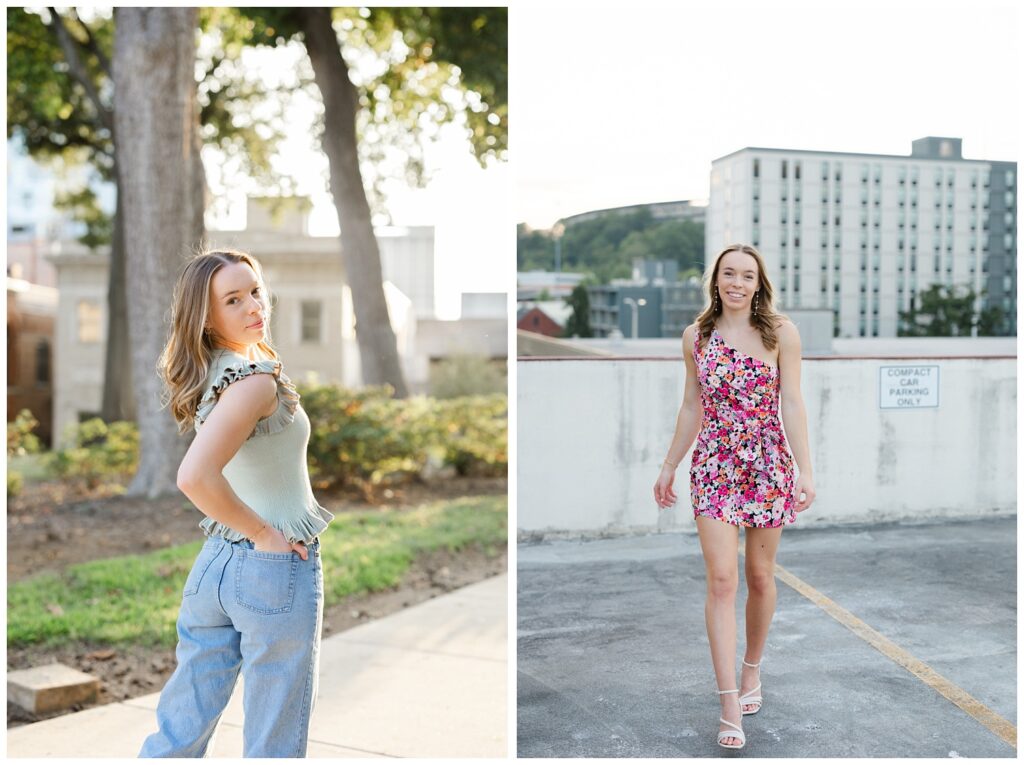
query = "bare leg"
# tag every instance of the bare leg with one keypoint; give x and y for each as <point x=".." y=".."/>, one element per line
<point x="719" y="542"/>
<point x="759" y="567"/>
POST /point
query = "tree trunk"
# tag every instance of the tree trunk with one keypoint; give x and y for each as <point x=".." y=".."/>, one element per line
<point x="155" y="120"/>
<point x="118" y="398"/>
<point x="378" y="350"/>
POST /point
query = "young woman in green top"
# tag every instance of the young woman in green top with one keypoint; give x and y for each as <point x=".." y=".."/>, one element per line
<point x="253" y="601"/>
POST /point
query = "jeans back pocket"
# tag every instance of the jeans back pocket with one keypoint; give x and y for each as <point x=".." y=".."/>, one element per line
<point x="265" y="582"/>
<point x="202" y="562"/>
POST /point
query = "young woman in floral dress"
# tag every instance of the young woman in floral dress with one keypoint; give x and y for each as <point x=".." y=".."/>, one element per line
<point x="742" y="358"/>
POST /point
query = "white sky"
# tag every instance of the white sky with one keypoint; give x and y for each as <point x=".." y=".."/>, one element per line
<point x="621" y="105"/>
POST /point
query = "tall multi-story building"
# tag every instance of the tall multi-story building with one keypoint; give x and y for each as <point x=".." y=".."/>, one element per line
<point x="864" y="234"/>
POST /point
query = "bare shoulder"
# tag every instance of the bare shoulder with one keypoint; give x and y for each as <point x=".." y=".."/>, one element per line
<point x="688" y="335"/>
<point x="788" y="334"/>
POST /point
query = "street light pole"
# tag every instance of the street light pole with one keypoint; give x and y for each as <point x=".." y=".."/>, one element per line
<point x="558" y="230"/>
<point x="635" y="305"/>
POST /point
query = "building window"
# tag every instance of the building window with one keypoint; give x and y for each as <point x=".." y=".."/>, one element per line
<point x="757" y="167"/>
<point x="89" y="315"/>
<point x="311" y="320"/>
<point x="783" y="168"/>
<point x="43" y="363"/>
<point x="796" y="171"/>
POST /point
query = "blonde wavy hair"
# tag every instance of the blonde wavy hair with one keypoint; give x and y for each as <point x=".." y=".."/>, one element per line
<point x="185" y="360"/>
<point x="765" y="318"/>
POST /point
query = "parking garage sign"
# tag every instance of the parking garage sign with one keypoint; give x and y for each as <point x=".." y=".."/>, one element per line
<point x="908" y="387"/>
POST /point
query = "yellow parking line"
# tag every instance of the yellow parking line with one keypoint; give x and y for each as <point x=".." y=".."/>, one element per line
<point x="999" y="725"/>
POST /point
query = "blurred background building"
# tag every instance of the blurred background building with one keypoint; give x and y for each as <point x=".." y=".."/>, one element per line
<point x="863" y="234"/>
<point x="57" y="300"/>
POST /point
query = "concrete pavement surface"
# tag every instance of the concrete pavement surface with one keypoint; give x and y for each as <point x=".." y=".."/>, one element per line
<point x="427" y="681"/>
<point x="613" y="655"/>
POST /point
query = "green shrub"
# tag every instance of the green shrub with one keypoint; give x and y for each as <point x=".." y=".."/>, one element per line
<point x="465" y="375"/>
<point x="364" y="437"/>
<point x="20" y="438"/>
<point x="98" y="451"/>
<point x="14" y="483"/>
<point x="473" y="431"/>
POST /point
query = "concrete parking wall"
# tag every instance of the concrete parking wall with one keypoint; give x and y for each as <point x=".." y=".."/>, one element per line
<point x="592" y="433"/>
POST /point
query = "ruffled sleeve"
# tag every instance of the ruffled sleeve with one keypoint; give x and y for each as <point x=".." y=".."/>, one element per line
<point x="287" y="396"/>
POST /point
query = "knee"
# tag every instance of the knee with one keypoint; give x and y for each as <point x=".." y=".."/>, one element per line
<point x="760" y="582"/>
<point x="722" y="584"/>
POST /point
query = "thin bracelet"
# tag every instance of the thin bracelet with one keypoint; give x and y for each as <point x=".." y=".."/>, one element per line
<point x="673" y="464"/>
<point x="253" y="537"/>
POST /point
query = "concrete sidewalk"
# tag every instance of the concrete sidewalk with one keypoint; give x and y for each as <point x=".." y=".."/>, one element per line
<point x="613" y="656"/>
<point x="428" y="681"/>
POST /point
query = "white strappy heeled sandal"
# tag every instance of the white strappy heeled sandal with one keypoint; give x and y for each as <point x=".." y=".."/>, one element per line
<point x="724" y="734"/>
<point x="749" y="697"/>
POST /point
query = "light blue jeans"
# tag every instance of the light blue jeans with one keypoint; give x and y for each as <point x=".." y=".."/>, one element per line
<point x="258" y="613"/>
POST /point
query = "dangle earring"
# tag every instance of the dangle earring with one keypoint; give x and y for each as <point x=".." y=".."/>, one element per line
<point x="755" y="302"/>
<point x="715" y="306"/>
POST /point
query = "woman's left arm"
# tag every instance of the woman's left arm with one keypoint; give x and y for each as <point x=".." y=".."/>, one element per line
<point x="794" y="414"/>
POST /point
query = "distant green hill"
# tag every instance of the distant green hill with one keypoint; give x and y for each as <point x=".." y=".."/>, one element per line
<point x="605" y="246"/>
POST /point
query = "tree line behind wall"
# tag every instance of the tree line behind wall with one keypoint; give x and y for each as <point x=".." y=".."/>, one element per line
<point x="605" y="246"/>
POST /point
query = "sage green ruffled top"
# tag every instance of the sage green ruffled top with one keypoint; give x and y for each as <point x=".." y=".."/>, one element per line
<point x="269" y="471"/>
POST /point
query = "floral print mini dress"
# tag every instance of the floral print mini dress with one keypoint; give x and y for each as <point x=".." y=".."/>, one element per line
<point x="741" y="471"/>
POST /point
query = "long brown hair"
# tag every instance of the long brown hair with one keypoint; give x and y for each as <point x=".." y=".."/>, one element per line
<point x="766" y="319"/>
<point x="185" y="360"/>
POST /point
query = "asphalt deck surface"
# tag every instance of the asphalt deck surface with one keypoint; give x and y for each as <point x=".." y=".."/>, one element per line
<point x="613" y="655"/>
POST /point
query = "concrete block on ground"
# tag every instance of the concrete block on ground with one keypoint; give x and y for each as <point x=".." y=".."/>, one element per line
<point x="50" y="688"/>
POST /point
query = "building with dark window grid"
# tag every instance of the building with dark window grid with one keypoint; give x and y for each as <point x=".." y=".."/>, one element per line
<point x="864" y="234"/>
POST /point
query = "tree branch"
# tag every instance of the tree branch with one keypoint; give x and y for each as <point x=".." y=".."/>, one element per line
<point x="92" y="45"/>
<point x="78" y="70"/>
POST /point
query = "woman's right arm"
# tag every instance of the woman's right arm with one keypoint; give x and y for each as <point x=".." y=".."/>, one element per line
<point x="201" y="477"/>
<point x="688" y="422"/>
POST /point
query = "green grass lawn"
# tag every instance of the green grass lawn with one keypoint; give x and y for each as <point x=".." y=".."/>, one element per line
<point x="135" y="599"/>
